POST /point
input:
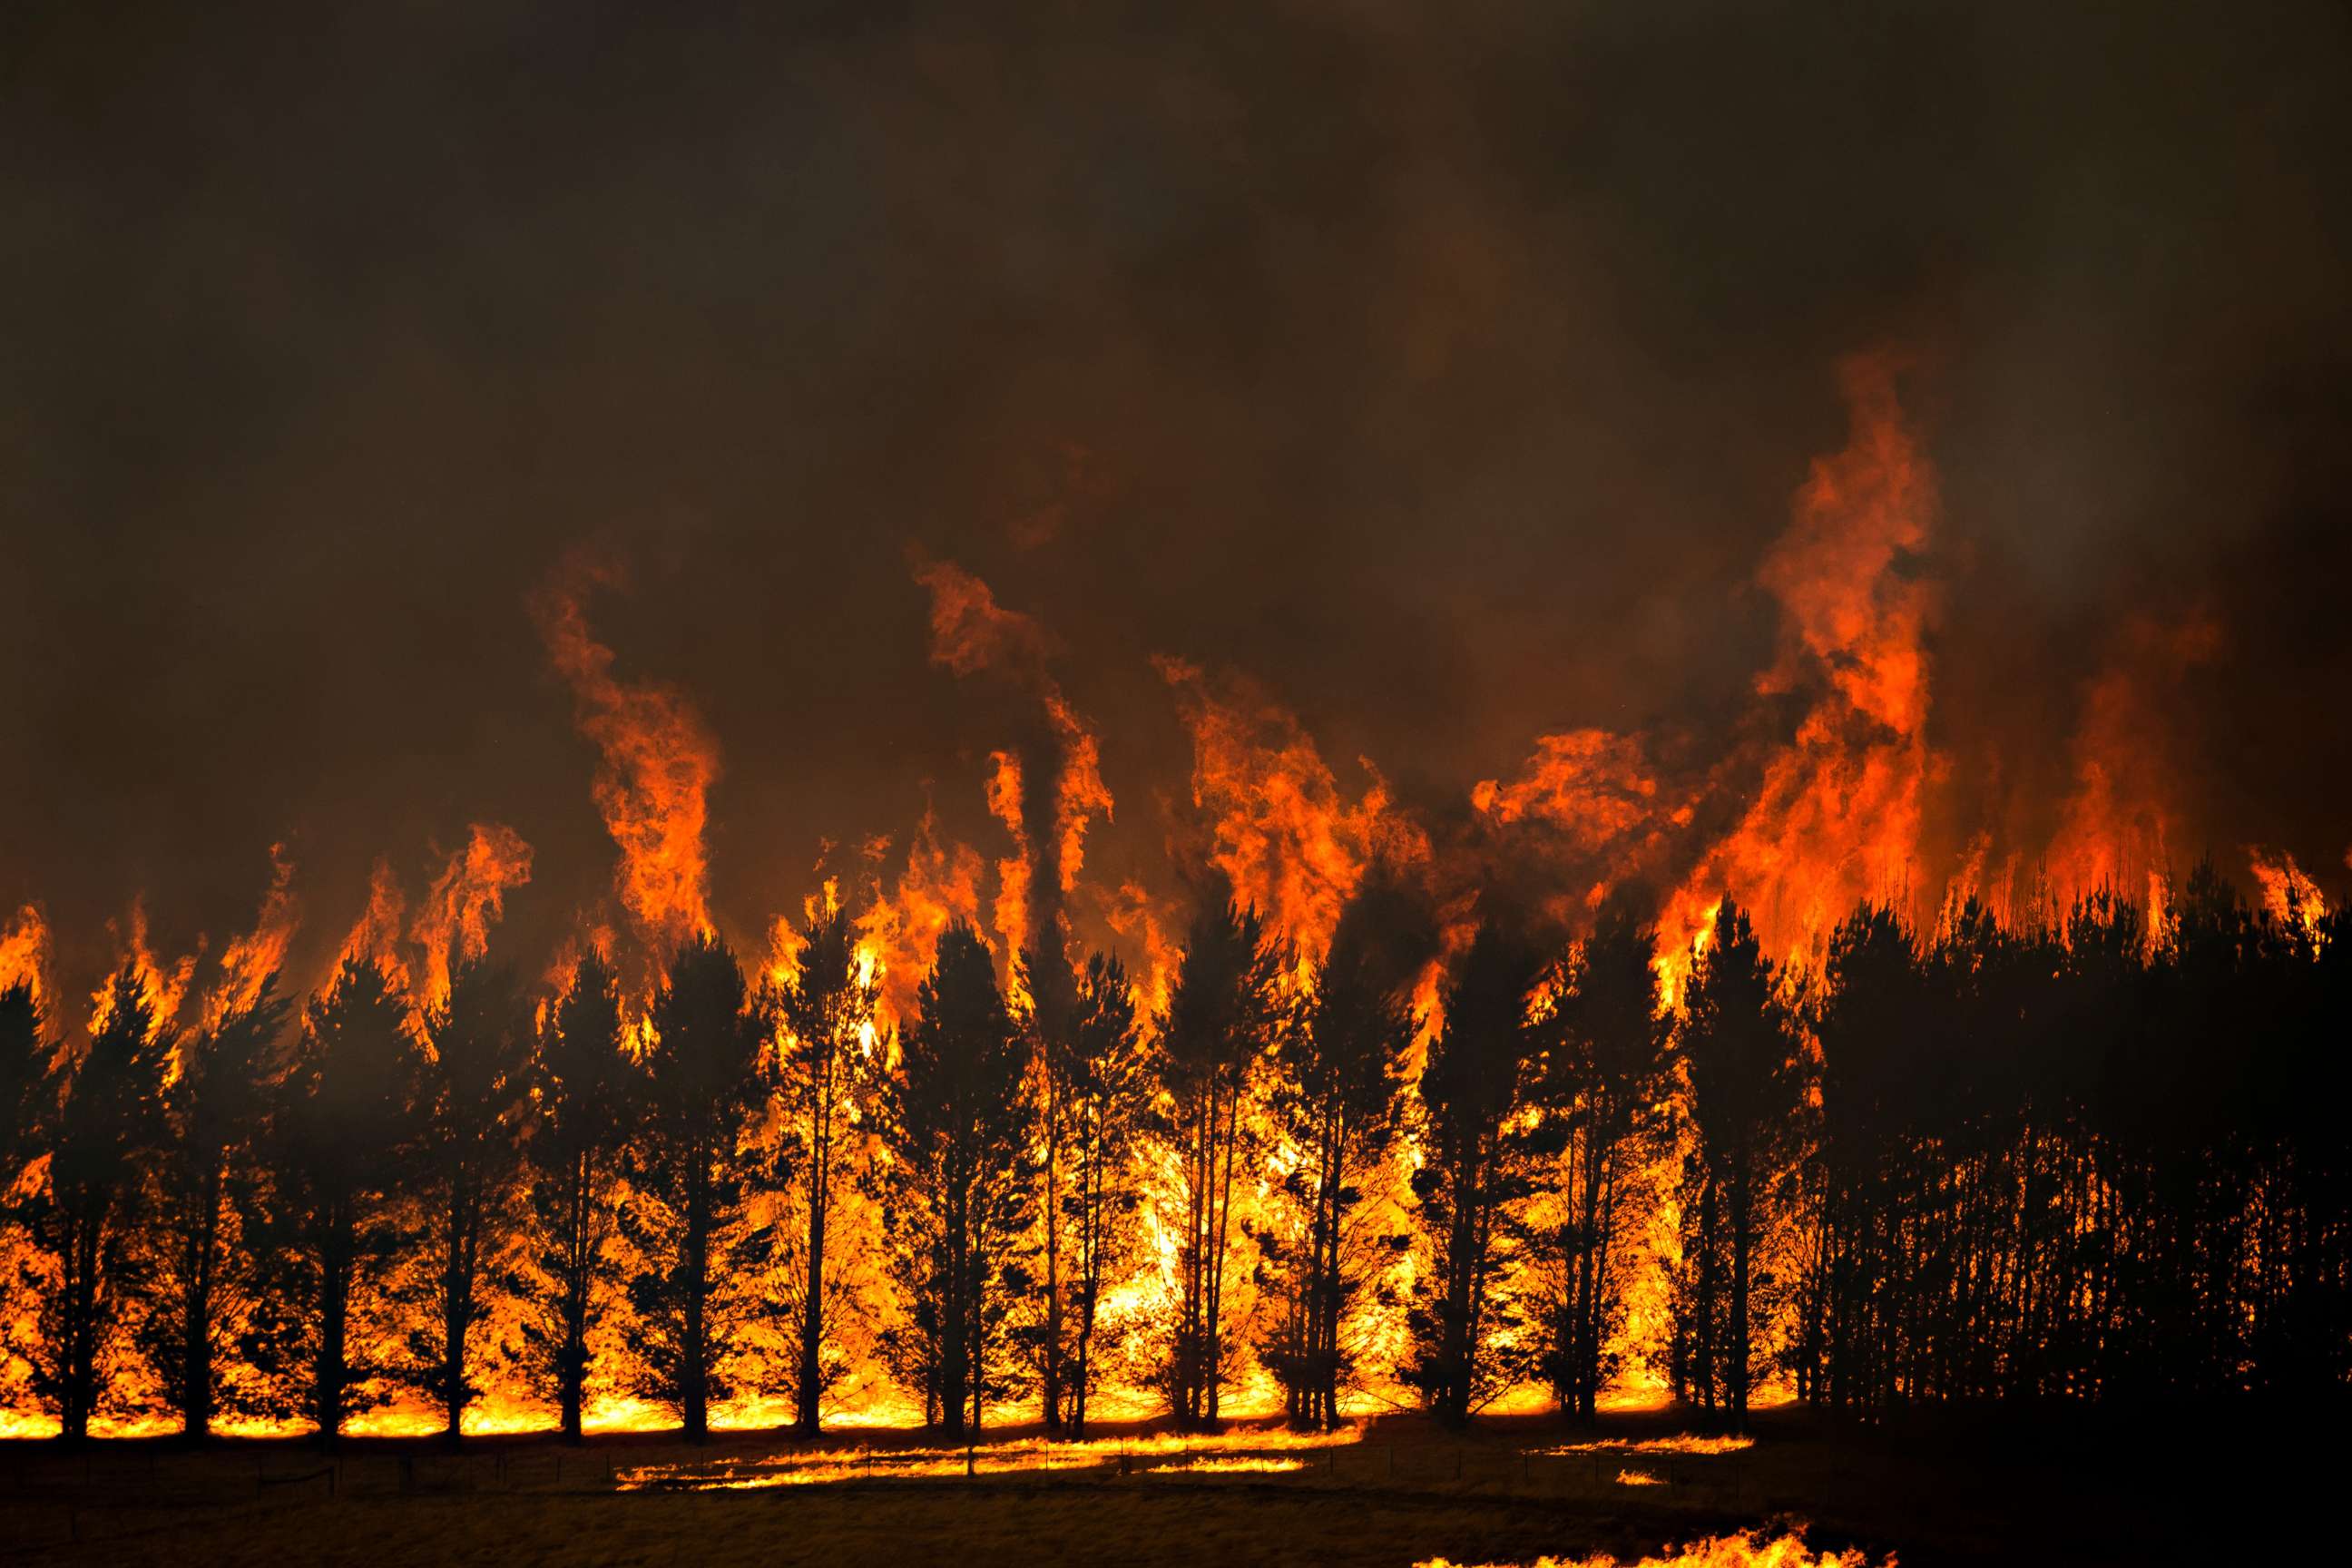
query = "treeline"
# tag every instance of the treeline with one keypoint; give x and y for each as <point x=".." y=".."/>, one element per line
<point x="2072" y="1160"/>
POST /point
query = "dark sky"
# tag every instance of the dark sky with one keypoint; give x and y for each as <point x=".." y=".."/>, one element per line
<point x="1448" y="368"/>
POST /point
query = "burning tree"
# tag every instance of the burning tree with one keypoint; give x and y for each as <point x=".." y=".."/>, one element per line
<point x="1737" y="1050"/>
<point x="1603" y="1090"/>
<point x="1338" y="1097"/>
<point x="24" y="1059"/>
<point x="1225" y="1012"/>
<point x="1475" y="1169"/>
<point x="954" y="1125"/>
<point x="101" y="1119"/>
<point x="692" y="1169"/>
<point x="828" y="1057"/>
<point x="203" y="1278"/>
<point x="586" y="1088"/>
<point x="1104" y="1071"/>
<point x="472" y="1096"/>
<point x="326" y="1221"/>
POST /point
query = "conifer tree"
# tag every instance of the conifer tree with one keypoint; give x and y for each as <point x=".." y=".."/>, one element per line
<point x="1736" y="1047"/>
<point x="202" y="1280"/>
<point x="693" y="1169"/>
<point x="100" y="1125"/>
<point x="1603" y="1088"/>
<point x="954" y="1123"/>
<point x="1474" y="1170"/>
<point x="1104" y="1073"/>
<point x="1225" y="1011"/>
<point x="327" y="1221"/>
<point x="587" y="1090"/>
<point x="829" y="1055"/>
<point x="1336" y="1095"/>
<point x="472" y="1091"/>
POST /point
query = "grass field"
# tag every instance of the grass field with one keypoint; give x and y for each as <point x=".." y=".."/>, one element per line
<point x="1392" y="1493"/>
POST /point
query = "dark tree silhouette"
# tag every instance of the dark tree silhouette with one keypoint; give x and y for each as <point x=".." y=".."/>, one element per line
<point x="1736" y="1047"/>
<point x="1104" y="1071"/>
<point x="693" y="1172"/>
<point x="1224" y="1013"/>
<point x="1336" y="1090"/>
<point x="829" y="1055"/>
<point x="1874" y="1001"/>
<point x="101" y="1123"/>
<point x="472" y="1096"/>
<point x="1603" y="1088"/>
<point x="202" y="1279"/>
<point x="24" y="1062"/>
<point x="1473" y="1170"/>
<point x="955" y="1124"/>
<point x="339" y="1144"/>
<point x="587" y="1090"/>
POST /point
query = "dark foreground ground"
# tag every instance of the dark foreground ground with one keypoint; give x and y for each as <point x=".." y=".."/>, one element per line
<point x="1404" y="1491"/>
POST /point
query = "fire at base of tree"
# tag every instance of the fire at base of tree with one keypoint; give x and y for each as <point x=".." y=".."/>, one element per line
<point x="1385" y="1112"/>
<point x="1398" y="1490"/>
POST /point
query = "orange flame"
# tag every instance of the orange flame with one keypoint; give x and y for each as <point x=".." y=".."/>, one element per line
<point x="1283" y="833"/>
<point x="2120" y="821"/>
<point x="1718" y="1551"/>
<point x="248" y="960"/>
<point x="971" y="631"/>
<point x="900" y="931"/>
<point x="25" y="954"/>
<point x="165" y="987"/>
<point x="1012" y="909"/>
<point x="1837" y="816"/>
<point x="375" y="939"/>
<point x="2290" y="897"/>
<point x="466" y="900"/>
<point x="658" y="763"/>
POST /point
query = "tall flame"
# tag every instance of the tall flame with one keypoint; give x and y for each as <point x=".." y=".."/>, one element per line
<point x="466" y="900"/>
<point x="899" y="931"/>
<point x="1282" y="830"/>
<point x="246" y="962"/>
<point x="658" y="763"/>
<point x="1012" y="909"/>
<point x="2121" y="820"/>
<point x="1836" y="818"/>
<point x="2290" y="897"/>
<point x="164" y="986"/>
<point x="375" y="936"/>
<point x="25" y="954"/>
<point x="971" y="632"/>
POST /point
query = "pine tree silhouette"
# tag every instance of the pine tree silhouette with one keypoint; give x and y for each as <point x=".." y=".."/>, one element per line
<point x="694" y="1174"/>
<point x="588" y="1091"/>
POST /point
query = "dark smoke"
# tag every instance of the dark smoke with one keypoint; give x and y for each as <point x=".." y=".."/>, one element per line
<point x="1449" y="369"/>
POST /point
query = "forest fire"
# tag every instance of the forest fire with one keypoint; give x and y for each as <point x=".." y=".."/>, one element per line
<point x="1238" y="1165"/>
<point x="1584" y="767"/>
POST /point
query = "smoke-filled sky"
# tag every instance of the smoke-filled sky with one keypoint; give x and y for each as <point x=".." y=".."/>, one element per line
<point x="1449" y="370"/>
